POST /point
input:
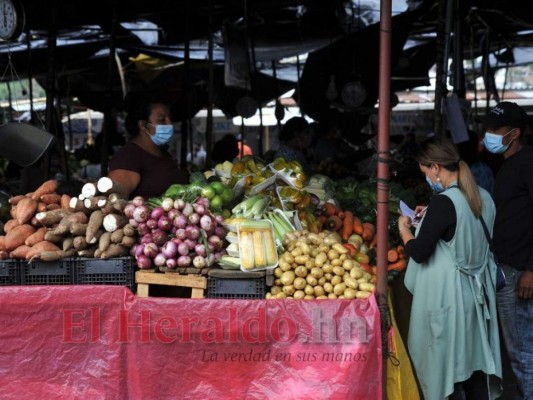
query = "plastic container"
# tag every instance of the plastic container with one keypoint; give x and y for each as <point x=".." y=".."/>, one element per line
<point x="9" y="272"/>
<point x="233" y="250"/>
<point x="219" y="288"/>
<point x="247" y="242"/>
<point x="47" y="273"/>
<point x="232" y="237"/>
<point x="114" y="271"/>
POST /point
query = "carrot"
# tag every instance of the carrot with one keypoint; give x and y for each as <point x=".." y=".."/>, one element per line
<point x="51" y="198"/>
<point x="20" y="252"/>
<point x="10" y="225"/>
<point x="357" y="226"/>
<point x="400" y="249"/>
<point x="38" y="248"/>
<point x="36" y="237"/>
<point x="399" y="265"/>
<point x="392" y="256"/>
<point x="341" y="214"/>
<point x="352" y="251"/>
<point x="26" y="208"/>
<point x="65" y="201"/>
<point x="322" y="219"/>
<point x="47" y="187"/>
<point x="333" y="223"/>
<point x="17" y="236"/>
<point x="347" y="225"/>
<point x="369" y="231"/>
<point x="329" y="209"/>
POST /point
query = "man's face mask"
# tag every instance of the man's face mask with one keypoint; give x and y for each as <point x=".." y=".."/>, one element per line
<point x="494" y="143"/>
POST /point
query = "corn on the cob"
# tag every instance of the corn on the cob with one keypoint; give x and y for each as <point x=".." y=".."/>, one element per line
<point x="259" y="249"/>
<point x="270" y="247"/>
<point x="246" y="247"/>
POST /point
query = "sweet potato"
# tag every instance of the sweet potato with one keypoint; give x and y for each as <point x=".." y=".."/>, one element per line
<point x="40" y="247"/>
<point x="68" y="243"/>
<point x="15" y="199"/>
<point x="50" y="236"/>
<point x="53" y="206"/>
<point x="2" y="243"/>
<point x="104" y="241"/>
<point x="51" y="198"/>
<point x="88" y="252"/>
<point x="95" y="222"/>
<point x="26" y="208"/>
<point x="10" y="224"/>
<point x="47" y="187"/>
<point x="79" y="243"/>
<point x="51" y="255"/>
<point x="129" y="230"/>
<point x="36" y="237"/>
<point x="17" y="236"/>
<point x="78" y="229"/>
<point x="20" y="252"/>
<point x="116" y="237"/>
<point x="114" y="250"/>
<point x="65" y="201"/>
<point x="41" y="207"/>
<point x="128" y="241"/>
<point x="13" y="212"/>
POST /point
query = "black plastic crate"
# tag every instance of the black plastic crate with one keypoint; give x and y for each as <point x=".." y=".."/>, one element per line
<point x="220" y="288"/>
<point x="113" y="271"/>
<point x="9" y="272"/>
<point x="47" y="272"/>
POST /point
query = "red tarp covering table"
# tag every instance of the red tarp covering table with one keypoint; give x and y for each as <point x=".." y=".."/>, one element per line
<point x="102" y="342"/>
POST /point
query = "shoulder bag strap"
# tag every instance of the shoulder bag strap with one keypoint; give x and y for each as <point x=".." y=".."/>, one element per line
<point x="487" y="235"/>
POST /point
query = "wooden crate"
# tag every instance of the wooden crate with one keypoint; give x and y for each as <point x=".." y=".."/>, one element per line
<point x="144" y="279"/>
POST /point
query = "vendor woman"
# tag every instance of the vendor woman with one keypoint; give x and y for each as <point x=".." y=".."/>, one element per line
<point x="143" y="167"/>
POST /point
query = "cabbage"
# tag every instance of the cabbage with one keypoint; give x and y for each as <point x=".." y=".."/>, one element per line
<point x="319" y="181"/>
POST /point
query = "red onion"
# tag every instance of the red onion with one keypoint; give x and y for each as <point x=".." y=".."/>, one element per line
<point x="151" y="223"/>
<point x="199" y="208"/>
<point x="137" y="201"/>
<point x="172" y="263"/>
<point x="206" y="222"/>
<point x="128" y="210"/>
<point x="159" y="237"/>
<point x="132" y="250"/>
<point x="181" y="234"/>
<point x="202" y="201"/>
<point x="157" y="213"/>
<point x="133" y="223"/>
<point x="180" y="221"/>
<point x="183" y="249"/>
<point x="187" y="209"/>
<point x="173" y="213"/>
<point x="164" y="223"/>
<point x="143" y="229"/>
<point x="144" y="262"/>
<point x="220" y="232"/>
<point x="194" y="218"/>
<point x="167" y="203"/>
<point x="160" y="260"/>
<point x="192" y="232"/>
<point x="179" y="204"/>
<point x="141" y="213"/>
<point x="190" y="243"/>
<point x="199" y="262"/>
<point x="150" y="250"/>
<point x="139" y="249"/>
<point x="218" y="255"/>
<point x="169" y="249"/>
<point x="147" y="238"/>
<point x="219" y="219"/>
<point x="177" y="241"/>
<point x="199" y="249"/>
<point x="216" y="241"/>
<point x="173" y="230"/>
<point x="184" y="261"/>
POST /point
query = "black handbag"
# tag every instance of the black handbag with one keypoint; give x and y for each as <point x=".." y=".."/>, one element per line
<point x="500" y="275"/>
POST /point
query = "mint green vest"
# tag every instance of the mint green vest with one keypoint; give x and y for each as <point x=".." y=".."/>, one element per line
<point x="453" y="329"/>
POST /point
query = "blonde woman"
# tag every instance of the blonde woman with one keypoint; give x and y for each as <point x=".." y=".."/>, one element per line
<point x="453" y="332"/>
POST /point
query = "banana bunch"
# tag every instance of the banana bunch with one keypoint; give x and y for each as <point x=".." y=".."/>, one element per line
<point x="256" y="245"/>
<point x="254" y="207"/>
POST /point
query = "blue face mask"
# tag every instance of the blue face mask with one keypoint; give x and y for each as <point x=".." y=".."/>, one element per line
<point x="162" y="134"/>
<point x="493" y="143"/>
<point x="436" y="187"/>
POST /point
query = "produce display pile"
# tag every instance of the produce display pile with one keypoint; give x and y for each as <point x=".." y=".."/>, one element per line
<point x="317" y="236"/>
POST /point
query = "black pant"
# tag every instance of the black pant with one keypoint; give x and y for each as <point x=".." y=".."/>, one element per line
<point x="474" y="388"/>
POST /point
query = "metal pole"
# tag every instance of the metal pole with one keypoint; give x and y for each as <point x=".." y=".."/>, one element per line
<point x="459" y="70"/>
<point x="30" y="75"/>
<point x="185" y="124"/>
<point x="210" y="89"/>
<point x="439" y="87"/>
<point x="383" y="171"/>
<point x="108" y="114"/>
<point x="50" y="88"/>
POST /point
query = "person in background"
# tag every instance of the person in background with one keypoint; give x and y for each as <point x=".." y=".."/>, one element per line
<point x="469" y="152"/>
<point x="294" y="140"/>
<point x="244" y="149"/>
<point x="453" y="332"/>
<point x="198" y="156"/>
<point x="143" y="167"/>
<point x="225" y="149"/>
<point x="505" y="126"/>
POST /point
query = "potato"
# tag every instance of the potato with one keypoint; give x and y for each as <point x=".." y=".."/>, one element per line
<point x="299" y="294"/>
<point x="356" y="273"/>
<point x="289" y="290"/>
<point x="299" y="283"/>
<point x="311" y="280"/>
<point x="277" y="282"/>
<point x="321" y="297"/>
<point x="284" y="265"/>
<point x="327" y="268"/>
<point x="336" y="280"/>
<point x="350" y="282"/>
<point x="281" y="295"/>
<point x="343" y="257"/>
<point x="339" y="289"/>
<point x="317" y="272"/>
<point x="275" y="290"/>
<point x="339" y="271"/>
<point x="333" y="254"/>
<point x="367" y="276"/>
<point x="296" y="252"/>
<point x="319" y="291"/>
<point x="310" y="264"/>
<point x="309" y="297"/>
<point x="336" y="262"/>
<point x="287" y="257"/>
<point x="287" y="278"/>
<point x="320" y="259"/>
<point x="268" y="296"/>
<point x="349" y="293"/>
<point x="323" y="249"/>
<point x="328" y="287"/>
<point x="314" y="252"/>
<point x="367" y="287"/>
<point x="305" y="248"/>
<point x="348" y="265"/>
<point x="300" y="271"/>
<point x="301" y="260"/>
<point x="362" y="295"/>
<point x="328" y="276"/>
<point x="308" y="290"/>
<point x="278" y="272"/>
<point x="332" y="296"/>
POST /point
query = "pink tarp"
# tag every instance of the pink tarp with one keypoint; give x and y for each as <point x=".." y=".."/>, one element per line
<point x="102" y="342"/>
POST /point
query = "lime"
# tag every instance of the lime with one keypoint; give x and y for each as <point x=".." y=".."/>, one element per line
<point x="226" y="195"/>
<point x="216" y="203"/>
<point x="209" y="192"/>
<point x="218" y="186"/>
<point x="226" y="213"/>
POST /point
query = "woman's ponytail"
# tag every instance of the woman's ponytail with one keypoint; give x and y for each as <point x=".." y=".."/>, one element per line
<point x="470" y="189"/>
